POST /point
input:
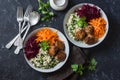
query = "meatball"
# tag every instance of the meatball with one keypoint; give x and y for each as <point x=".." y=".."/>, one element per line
<point x="52" y="50"/>
<point x="80" y="34"/>
<point x="90" y="39"/>
<point x="60" y="45"/>
<point x="60" y="56"/>
<point x="89" y="29"/>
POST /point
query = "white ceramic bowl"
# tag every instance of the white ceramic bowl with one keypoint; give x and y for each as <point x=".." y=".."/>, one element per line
<point x="58" y="4"/>
<point x="81" y="43"/>
<point x="59" y="65"/>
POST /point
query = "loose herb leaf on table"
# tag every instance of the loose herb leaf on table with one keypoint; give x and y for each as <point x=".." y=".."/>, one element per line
<point x="44" y="9"/>
<point x="80" y="68"/>
<point x="74" y="67"/>
<point x="77" y="68"/>
<point x="92" y="64"/>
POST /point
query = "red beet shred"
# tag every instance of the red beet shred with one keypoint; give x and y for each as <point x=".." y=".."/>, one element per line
<point x="90" y="12"/>
<point x="31" y="48"/>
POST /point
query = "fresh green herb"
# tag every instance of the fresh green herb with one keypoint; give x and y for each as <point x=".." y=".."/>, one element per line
<point x="44" y="45"/>
<point x="77" y="68"/>
<point x="82" y="22"/>
<point x="74" y="67"/>
<point x="45" y="11"/>
<point x="80" y="68"/>
<point x="79" y="21"/>
<point x="92" y="64"/>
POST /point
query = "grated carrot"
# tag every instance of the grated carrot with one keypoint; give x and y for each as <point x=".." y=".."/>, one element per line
<point x="46" y="34"/>
<point x="99" y="26"/>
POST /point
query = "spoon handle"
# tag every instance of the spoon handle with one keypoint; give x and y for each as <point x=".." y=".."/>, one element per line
<point x="23" y="24"/>
<point x="8" y="45"/>
<point x="17" y="50"/>
<point x="26" y="31"/>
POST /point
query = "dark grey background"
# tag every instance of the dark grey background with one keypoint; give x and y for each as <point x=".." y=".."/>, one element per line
<point x="14" y="67"/>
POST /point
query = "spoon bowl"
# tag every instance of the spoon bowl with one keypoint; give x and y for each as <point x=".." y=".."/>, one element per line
<point x="34" y="17"/>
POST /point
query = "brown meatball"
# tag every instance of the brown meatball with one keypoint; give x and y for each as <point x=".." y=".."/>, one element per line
<point x="90" y="39"/>
<point x="52" y="50"/>
<point x="89" y="29"/>
<point x="60" y="45"/>
<point x="60" y="56"/>
<point x="80" y="34"/>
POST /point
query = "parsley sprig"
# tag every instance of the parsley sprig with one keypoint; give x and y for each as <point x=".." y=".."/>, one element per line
<point x="44" y="45"/>
<point x="92" y="65"/>
<point x="77" y="68"/>
<point x="44" y="9"/>
<point x="80" y="68"/>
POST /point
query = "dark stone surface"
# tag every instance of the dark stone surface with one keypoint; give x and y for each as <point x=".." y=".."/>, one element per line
<point x="14" y="67"/>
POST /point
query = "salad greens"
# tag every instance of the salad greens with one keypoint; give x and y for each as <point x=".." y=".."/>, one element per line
<point x="80" y="68"/>
<point x="45" y="11"/>
<point x="79" y="21"/>
<point x="44" y="45"/>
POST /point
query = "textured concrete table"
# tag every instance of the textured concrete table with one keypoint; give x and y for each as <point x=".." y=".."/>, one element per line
<point x="14" y="67"/>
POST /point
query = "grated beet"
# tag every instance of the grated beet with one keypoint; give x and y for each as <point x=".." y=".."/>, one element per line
<point x="90" y="12"/>
<point x="31" y="48"/>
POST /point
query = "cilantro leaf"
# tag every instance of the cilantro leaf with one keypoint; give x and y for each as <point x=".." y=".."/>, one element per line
<point x="74" y="67"/>
<point x="92" y="64"/>
<point x="77" y="68"/>
<point x="80" y="68"/>
<point x="45" y="11"/>
<point x="44" y="45"/>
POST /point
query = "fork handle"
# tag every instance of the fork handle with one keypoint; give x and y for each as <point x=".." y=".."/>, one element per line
<point x="17" y="50"/>
<point x="20" y="28"/>
<point x="8" y="45"/>
<point x="26" y="31"/>
<point x="23" y="24"/>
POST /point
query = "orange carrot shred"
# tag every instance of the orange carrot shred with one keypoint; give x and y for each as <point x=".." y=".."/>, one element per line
<point x="99" y="26"/>
<point x="46" y="34"/>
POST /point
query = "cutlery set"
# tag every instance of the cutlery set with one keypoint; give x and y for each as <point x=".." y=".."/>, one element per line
<point x="29" y="19"/>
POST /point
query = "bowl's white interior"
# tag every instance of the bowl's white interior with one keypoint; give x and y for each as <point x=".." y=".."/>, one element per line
<point x="59" y="65"/>
<point x="81" y="43"/>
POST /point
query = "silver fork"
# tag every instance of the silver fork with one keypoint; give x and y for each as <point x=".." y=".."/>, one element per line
<point x="26" y="19"/>
<point x="26" y="16"/>
<point x="27" y="12"/>
<point x="19" y="19"/>
<point x="8" y="45"/>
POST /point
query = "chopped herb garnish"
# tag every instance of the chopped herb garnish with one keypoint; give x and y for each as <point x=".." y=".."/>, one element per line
<point x="45" y="11"/>
<point x="44" y="45"/>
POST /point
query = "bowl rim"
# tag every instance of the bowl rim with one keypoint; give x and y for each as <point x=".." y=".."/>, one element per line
<point x="59" y="65"/>
<point x="71" y="10"/>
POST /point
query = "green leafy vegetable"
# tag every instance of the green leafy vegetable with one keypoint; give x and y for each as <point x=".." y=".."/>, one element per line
<point x="45" y="11"/>
<point x="80" y="68"/>
<point x="82" y="22"/>
<point x="44" y="45"/>
<point x="92" y="64"/>
<point x="77" y="68"/>
<point x="74" y="67"/>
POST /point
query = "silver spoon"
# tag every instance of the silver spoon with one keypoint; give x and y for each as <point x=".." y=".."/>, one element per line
<point x="26" y="16"/>
<point x="34" y="17"/>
